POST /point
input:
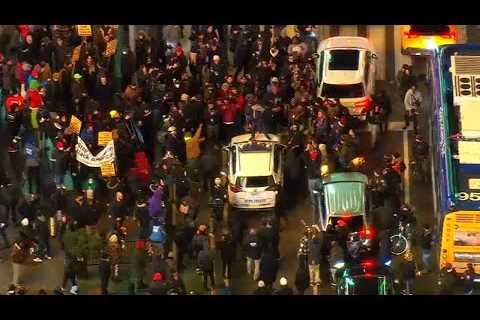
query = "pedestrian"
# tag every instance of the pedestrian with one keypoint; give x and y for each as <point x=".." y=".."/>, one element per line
<point x="253" y="250"/>
<point x="412" y="102"/>
<point x="312" y="160"/>
<point x="284" y="289"/>
<point x="69" y="271"/>
<point x="408" y="271"/>
<point x="158" y="235"/>
<point x="448" y="279"/>
<point x="19" y="256"/>
<point x="42" y="233"/>
<point x="469" y="279"/>
<point x="199" y="243"/>
<point x="302" y="279"/>
<point x="140" y="261"/>
<point x="262" y="290"/>
<point x="314" y="258"/>
<point x="227" y="249"/>
<point x="105" y="270"/>
<point x="206" y="265"/>
<point x="268" y="269"/>
<point x="158" y="285"/>
<point x="426" y="242"/>
<point x="114" y="251"/>
<point x="176" y="285"/>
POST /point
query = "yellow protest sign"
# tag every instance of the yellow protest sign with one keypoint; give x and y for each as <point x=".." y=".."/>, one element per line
<point x="474" y="184"/>
<point x="104" y="137"/>
<point x="84" y="30"/>
<point x="75" y="125"/>
<point x="108" y="169"/>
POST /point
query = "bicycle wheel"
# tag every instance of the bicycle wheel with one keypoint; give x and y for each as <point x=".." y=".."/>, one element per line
<point x="399" y="244"/>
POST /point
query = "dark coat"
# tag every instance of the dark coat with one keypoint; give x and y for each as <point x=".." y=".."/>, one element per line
<point x="315" y="251"/>
<point x="205" y="260"/>
<point x="227" y="248"/>
<point x="302" y="279"/>
<point x="283" y="291"/>
<point x="104" y="268"/>
<point x="268" y="268"/>
<point x="253" y="246"/>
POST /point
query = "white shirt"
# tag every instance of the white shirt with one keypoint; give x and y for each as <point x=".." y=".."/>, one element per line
<point x="412" y="99"/>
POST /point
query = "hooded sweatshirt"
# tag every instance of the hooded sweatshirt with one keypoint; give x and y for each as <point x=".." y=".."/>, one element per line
<point x="155" y="204"/>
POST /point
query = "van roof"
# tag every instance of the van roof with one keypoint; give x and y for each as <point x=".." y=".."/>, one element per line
<point x="259" y="137"/>
<point x="255" y="164"/>
<point x="345" y="42"/>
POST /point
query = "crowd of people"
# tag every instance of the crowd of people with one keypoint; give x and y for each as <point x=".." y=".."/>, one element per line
<point x="169" y="108"/>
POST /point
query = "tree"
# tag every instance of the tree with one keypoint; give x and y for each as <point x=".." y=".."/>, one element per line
<point x="84" y="246"/>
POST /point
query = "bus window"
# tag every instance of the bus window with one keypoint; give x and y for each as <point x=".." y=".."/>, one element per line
<point x="467" y="238"/>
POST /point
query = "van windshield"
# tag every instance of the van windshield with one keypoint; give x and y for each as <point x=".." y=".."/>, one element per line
<point x="338" y="91"/>
<point x="343" y="60"/>
<point x="255" y="182"/>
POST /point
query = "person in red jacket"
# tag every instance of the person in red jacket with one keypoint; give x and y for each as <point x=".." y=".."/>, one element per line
<point x="35" y="98"/>
<point x="229" y="113"/>
<point x="17" y="99"/>
<point x="239" y="102"/>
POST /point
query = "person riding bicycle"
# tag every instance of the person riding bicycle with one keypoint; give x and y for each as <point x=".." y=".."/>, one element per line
<point x="218" y="199"/>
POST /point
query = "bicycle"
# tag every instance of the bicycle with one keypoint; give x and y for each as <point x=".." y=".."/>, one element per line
<point x="401" y="241"/>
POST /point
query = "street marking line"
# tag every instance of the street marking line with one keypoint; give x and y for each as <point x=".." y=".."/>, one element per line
<point x="406" y="159"/>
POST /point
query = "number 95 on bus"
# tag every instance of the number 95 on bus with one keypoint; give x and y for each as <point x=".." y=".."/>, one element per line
<point x="472" y="196"/>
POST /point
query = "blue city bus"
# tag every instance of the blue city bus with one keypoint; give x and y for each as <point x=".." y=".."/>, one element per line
<point x="454" y="141"/>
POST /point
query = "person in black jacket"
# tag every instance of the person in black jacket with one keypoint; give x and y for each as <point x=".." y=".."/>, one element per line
<point x="268" y="269"/>
<point x="205" y="262"/>
<point x="141" y="214"/>
<point x="104" y="93"/>
<point x="227" y="252"/>
<point x="253" y="251"/>
<point x="302" y="279"/>
<point x="448" y="279"/>
<point x="105" y="270"/>
<point x="118" y="209"/>
<point x="408" y="270"/>
<point x="69" y="271"/>
<point x="43" y="237"/>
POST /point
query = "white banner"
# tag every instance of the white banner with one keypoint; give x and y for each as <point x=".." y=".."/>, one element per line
<point x="107" y="155"/>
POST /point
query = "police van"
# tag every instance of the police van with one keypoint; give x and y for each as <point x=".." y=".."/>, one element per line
<point x="255" y="171"/>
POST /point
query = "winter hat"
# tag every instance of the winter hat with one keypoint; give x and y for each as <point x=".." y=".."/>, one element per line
<point x="216" y="57"/>
<point x="35" y="74"/>
<point x="283" y="281"/>
<point x="179" y="50"/>
<point x="172" y="129"/>
<point x="75" y="290"/>
<point x="24" y="222"/>
<point x="157" y="276"/>
<point x="274" y="51"/>
<point x="261" y="284"/>
<point x="77" y="76"/>
<point x="56" y="76"/>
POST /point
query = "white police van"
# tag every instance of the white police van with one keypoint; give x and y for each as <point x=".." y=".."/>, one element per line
<point x="255" y="171"/>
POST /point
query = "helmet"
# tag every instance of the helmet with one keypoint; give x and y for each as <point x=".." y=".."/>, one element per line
<point x="172" y="129"/>
<point x="218" y="181"/>
<point x="261" y="284"/>
<point x="77" y="76"/>
<point x="283" y="281"/>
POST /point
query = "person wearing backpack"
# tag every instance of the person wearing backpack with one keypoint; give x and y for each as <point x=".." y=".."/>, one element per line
<point x="158" y="236"/>
<point x="205" y="262"/>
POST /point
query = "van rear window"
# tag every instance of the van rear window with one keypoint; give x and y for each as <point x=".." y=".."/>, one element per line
<point x="343" y="60"/>
<point x="255" y="182"/>
<point x="337" y="91"/>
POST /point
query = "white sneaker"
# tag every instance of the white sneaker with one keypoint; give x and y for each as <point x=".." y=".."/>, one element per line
<point x="48" y="257"/>
<point x="37" y="260"/>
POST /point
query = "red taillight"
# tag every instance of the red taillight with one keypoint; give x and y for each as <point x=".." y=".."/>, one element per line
<point x="363" y="104"/>
<point x="368" y="264"/>
<point x="366" y="233"/>
<point x="235" y="189"/>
